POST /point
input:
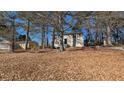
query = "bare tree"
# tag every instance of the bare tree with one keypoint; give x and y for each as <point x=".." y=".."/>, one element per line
<point x="58" y="23"/>
<point x="28" y="16"/>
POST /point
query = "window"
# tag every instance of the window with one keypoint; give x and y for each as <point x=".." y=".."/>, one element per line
<point x="65" y="41"/>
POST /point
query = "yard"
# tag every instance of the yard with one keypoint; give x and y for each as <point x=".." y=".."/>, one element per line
<point x="73" y="64"/>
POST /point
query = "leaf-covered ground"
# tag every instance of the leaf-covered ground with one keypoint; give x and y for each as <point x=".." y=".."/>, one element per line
<point x="85" y="64"/>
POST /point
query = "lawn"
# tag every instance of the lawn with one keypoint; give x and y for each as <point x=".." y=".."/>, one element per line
<point x="73" y="64"/>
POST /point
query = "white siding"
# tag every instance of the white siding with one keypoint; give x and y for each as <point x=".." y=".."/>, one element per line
<point x="79" y="41"/>
<point x="5" y="47"/>
<point x="69" y="40"/>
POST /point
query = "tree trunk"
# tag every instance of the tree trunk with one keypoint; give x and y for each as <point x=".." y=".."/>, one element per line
<point x="88" y="39"/>
<point x="62" y="33"/>
<point x="117" y="36"/>
<point x="61" y="43"/>
<point x="43" y="37"/>
<point x="107" y="39"/>
<point x="97" y="36"/>
<point x="27" y="35"/>
<point x="53" y="39"/>
<point x="74" y="40"/>
<point x="13" y="36"/>
<point x="109" y="43"/>
<point x="47" y="41"/>
<point x="102" y="38"/>
<point x="96" y="39"/>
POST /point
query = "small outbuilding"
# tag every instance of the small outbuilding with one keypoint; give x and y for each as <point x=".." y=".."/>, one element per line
<point x="73" y="39"/>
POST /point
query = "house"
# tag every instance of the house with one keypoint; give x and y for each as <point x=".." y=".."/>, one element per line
<point x="5" y="45"/>
<point x="73" y="39"/>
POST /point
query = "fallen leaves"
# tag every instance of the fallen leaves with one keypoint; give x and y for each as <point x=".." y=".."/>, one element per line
<point x="69" y="65"/>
